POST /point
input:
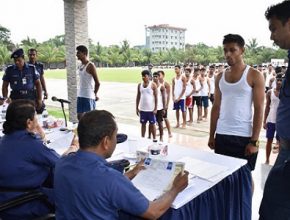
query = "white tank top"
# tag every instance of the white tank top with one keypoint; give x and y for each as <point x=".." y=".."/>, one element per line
<point x="211" y="83"/>
<point x="178" y="86"/>
<point x="269" y="76"/>
<point x="273" y="107"/>
<point x="159" y="98"/>
<point x="146" y="98"/>
<point x="197" y="87"/>
<point x="236" y="107"/>
<point x="204" y="91"/>
<point x="86" y="83"/>
<point x="188" y="88"/>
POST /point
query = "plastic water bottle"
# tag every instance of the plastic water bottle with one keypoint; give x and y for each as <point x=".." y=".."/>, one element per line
<point x="44" y="119"/>
<point x="154" y="149"/>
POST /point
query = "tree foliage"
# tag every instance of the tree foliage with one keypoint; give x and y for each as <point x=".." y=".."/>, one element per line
<point x="53" y="51"/>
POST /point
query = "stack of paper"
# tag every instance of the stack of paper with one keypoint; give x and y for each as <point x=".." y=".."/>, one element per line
<point x="157" y="178"/>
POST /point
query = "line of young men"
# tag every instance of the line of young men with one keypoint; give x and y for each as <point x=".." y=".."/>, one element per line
<point x="188" y="89"/>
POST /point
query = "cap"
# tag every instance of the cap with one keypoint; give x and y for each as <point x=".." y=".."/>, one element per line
<point x="17" y="53"/>
<point x="121" y="138"/>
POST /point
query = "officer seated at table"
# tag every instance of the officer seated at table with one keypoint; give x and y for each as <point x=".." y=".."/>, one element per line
<point x="26" y="162"/>
<point x="23" y="80"/>
<point x="86" y="188"/>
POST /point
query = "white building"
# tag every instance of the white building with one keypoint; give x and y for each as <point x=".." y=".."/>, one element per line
<point x="164" y="37"/>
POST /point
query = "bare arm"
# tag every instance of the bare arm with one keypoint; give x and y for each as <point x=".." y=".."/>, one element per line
<point x="5" y="85"/>
<point x="258" y="100"/>
<point x="91" y="69"/>
<point x="167" y="88"/>
<point x="173" y="85"/>
<point x="138" y="99"/>
<point x="154" y="87"/>
<point x="162" y="89"/>
<point x="215" y="112"/>
<point x="159" y="206"/>
<point x="193" y="88"/>
<point x="267" y="108"/>
<point x="208" y="83"/>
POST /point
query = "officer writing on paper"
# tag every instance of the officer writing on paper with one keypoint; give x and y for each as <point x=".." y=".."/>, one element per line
<point x="84" y="180"/>
<point x="23" y="80"/>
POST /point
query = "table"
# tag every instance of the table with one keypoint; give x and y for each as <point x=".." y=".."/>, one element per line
<point x="228" y="198"/>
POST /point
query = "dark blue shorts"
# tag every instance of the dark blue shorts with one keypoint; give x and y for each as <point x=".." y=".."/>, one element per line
<point x="179" y="105"/>
<point x="85" y="105"/>
<point x="204" y="100"/>
<point x="147" y="116"/>
<point x="234" y="146"/>
<point x="270" y="132"/>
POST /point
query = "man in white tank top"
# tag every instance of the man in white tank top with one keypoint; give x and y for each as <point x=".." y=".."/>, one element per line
<point x="234" y="130"/>
<point x="167" y="99"/>
<point x="146" y="104"/>
<point x="196" y="98"/>
<point x="160" y="103"/>
<point x="178" y="89"/>
<point x="272" y="98"/>
<point x="204" y="92"/>
<point x="89" y="83"/>
<point x="190" y="89"/>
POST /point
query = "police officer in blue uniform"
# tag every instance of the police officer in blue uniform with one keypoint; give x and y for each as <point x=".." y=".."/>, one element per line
<point x="23" y="80"/>
<point x="26" y="162"/>
<point x="32" y="55"/>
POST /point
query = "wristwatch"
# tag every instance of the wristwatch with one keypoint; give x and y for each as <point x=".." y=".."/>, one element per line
<point x="255" y="143"/>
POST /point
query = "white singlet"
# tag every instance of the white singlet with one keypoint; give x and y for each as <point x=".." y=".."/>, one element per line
<point x="147" y="103"/>
<point x="86" y="83"/>
<point x="273" y="107"/>
<point x="159" y="98"/>
<point x="188" y="88"/>
<point x="235" y="116"/>
<point x="211" y="83"/>
<point x="197" y="87"/>
<point x="178" y="86"/>
<point x="204" y="91"/>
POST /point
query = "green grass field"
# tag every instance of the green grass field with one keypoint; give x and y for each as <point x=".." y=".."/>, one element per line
<point x="125" y="75"/>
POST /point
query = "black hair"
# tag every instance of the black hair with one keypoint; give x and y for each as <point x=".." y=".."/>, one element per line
<point x="281" y="11"/>
<point x="156" y="74"/>
<point x="234" y="38"/>
<point x="83" y="49"/>
<point x="94" y="126"/>
<point x="32" y="50"/>
<point x="145" y="72"/>
<point x="18" y="112"/>
<point x="278" y="69"/>
<point x="212" y="66"/>
<point x="279" y="76"/>
<point x="177" y="66"/>
<point x="196" y="69"/>
<point x="161" y="72"/>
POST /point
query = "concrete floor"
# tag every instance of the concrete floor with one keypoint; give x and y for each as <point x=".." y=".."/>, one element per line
<point x="119" y="98"/>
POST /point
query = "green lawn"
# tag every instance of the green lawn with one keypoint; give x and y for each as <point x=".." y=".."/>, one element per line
<point x="56" y="112"/>
<point x="127" y="75"/>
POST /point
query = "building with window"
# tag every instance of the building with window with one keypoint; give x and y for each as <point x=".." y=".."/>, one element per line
<point x="164" y="37"/>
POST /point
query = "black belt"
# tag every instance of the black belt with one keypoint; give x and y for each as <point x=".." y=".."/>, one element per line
<point x="23" y="94"/>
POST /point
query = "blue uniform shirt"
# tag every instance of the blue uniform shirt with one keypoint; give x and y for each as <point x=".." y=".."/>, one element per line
<point x="25" y="164"/>
<point x="86" y="188"/>
<point x="283" y="111"/>
<point x="21" y="80"/>
<point x="38" y="67"/>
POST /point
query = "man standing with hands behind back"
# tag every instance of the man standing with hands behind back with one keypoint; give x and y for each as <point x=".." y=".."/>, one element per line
<point x="89" y="83"/>
<point x="233" y="130"/>
<point x="276" y="199"/>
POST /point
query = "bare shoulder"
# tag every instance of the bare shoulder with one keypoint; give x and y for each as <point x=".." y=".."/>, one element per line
<point x="153" y="85"/>
<point x="255" y="74"/>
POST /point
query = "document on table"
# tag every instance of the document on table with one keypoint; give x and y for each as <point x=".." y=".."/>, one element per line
<point x="157" y="178"/>
<point x="60" y="141"/>
<point x="203" y="169"/>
